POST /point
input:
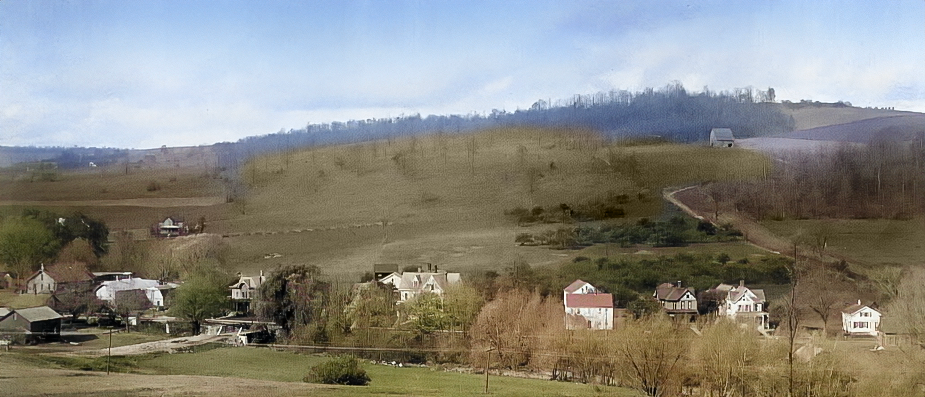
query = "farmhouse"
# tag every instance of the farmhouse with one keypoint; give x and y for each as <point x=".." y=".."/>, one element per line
<point x="170" y="228"/>
<point x="743" y="304"/>
<point x="46" y="281"/>
<point x="676" y="300"/>
<point x="412" y="284"/>
<point x="245" y="290"/>
<point x="721" y="137"/>
<point x="586" y="308"/>
<point x="859" y="319"/>
<point x="34" y="322"/>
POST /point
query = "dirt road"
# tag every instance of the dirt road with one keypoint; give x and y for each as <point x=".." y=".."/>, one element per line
<point x="166" y="345"/>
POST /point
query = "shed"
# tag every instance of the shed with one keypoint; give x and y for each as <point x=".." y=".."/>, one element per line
<point x="39" y="321"/>
<point x="721" y="137"/>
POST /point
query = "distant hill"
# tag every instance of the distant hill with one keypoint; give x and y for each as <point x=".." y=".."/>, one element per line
<point x="904" y="127"/>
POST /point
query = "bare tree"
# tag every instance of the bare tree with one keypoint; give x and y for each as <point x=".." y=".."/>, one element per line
<point x="650" y="352"/>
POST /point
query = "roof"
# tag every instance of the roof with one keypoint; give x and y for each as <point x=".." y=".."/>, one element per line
<point x="66" y="272"/>
<point x="111" y="287"/>
<point x="736" y="292"/>
<point x="41" y="313"/>
<point x="575" y="286"/>
<point x="669" y="292"/>
<point x="722" y="134"/>
<point x="856" y="308"/>
<point x="589" y="300"/>
<point x="417" y="280"/>
<point x="251" y="281"/>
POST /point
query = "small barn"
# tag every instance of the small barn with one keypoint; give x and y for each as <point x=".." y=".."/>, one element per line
<point x="35" y="322"/>
<point x="721" y="137"/>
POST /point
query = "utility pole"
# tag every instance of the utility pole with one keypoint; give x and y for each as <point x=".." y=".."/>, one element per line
<point x="109" y="353"/>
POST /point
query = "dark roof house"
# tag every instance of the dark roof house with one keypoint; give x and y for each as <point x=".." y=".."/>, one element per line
<point x="676" y="299"/>
<point x="34" y="322"/>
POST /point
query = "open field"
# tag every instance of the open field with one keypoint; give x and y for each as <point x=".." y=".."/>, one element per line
<point x="806" y="117"/>
<point x="256" y="370"/>
<point x="869" y="242"/>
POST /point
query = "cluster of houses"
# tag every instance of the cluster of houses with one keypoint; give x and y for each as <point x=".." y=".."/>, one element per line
<point x="588" y="308"/>
<point x="109" y="288"/>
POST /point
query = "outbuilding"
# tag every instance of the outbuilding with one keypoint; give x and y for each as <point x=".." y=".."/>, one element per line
<point x="721" y="137"/>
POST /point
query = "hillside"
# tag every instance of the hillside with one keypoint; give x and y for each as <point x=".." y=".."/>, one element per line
<point x="442" y="198"/>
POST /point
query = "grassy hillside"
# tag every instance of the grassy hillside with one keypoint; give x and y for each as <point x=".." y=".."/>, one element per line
<point x="812" y="116"/>
<point x="442" y="198"/>
<point x="439" y="198"/>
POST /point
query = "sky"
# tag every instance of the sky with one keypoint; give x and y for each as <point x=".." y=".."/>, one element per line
<point x="142" y="74"/>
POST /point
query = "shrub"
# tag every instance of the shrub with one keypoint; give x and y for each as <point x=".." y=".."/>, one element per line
<point x="340" y="370"/>
<point x="153" y="186"/>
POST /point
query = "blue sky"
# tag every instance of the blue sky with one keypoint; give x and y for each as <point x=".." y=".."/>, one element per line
<point x="141" y="74"/>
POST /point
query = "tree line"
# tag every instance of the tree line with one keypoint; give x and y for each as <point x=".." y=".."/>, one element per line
<point x="885" y="179"/>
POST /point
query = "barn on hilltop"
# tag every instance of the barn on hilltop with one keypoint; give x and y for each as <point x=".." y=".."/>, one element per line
<point x="721" y="137"/>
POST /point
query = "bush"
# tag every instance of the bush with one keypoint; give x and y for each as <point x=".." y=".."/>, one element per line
<point x="340" y="370"/>
<point x="153" y="186"/>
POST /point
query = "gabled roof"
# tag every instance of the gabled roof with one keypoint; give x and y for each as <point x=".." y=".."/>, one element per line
<point x="66" y="273"/>
<point x="40" y="313"/>
<point x="722" y="134"/>
<point x="669" y="292"/>
<point x="853" y="309"/>
<point x="589" y="300"/>
<point x="250" y="281"/>
<point x="575" y="286"/>
<point x="416" y="280"/>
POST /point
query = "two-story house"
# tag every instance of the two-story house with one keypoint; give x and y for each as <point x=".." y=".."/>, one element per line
<point x="859" y="319"/>
<point x="49" y="280"/>
<point x="412" y="284"/>
<point x="676" y="300"/>
<point x="743" y="304"/>
<point x="586" y="307"/>
<point x="245" y="290"/>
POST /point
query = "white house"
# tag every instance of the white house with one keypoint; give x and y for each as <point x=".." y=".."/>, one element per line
<point x="578" y="287"/>
<point x="107" y="289"/>
<point x="412" y="284"/>
<point x="721" y="137"/>
<point x="860" y="319"/>
<point x="743" y="304"/>
<point x="245" y="290"/>
<point x="676" y="300"/>
<point x="586" y="308"/>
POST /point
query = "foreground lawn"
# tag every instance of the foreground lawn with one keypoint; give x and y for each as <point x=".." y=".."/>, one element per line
<point x="270" y="365"/>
